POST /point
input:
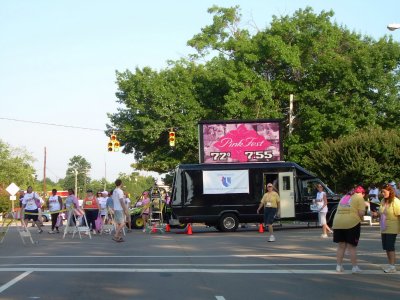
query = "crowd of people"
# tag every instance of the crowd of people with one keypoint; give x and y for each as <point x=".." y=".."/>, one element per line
<point x="105" y="206"/>
<point x="348" y="218"/>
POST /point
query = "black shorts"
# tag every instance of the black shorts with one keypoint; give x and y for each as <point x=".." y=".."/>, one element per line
<point x="388" y="241"/>
<point x="269" y="215"/>
<point x="28" y="217"/>
<point x="350" y="236"/>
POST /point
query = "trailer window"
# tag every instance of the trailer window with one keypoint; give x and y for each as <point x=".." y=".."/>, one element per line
<point x="286" y="183"/>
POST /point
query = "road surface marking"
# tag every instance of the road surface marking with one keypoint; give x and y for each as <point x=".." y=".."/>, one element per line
<point x="190" y="270"/>
<point x="14" y="281"/>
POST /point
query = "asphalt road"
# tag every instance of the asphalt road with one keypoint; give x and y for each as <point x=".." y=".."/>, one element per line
<point x="205" y="265"/>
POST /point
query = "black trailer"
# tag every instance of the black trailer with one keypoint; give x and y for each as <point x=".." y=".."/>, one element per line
<point x="225" y="195"/>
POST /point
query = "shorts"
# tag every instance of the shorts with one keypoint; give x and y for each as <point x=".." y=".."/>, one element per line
<point x="269" y="215"/>
<point x="119" y="216"/>
<point x="349" y="236"/>
<point x="322" y="218"/>
<point x="388" y="241"/>
<point x="34" y="218"/>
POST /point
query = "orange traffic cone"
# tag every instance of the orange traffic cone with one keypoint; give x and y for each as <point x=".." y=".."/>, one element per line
<point x="167" y="228"/>
<point x="189" y="229"/>
<point x="261" y="228"/>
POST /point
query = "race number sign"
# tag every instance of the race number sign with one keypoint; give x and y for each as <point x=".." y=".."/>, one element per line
<point x="240" y="141"/>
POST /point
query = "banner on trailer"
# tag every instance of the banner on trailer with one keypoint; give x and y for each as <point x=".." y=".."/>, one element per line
<point x="240" y="141"/>
<point x="226" y="182"/>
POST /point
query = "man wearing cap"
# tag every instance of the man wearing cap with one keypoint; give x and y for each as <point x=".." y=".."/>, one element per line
<point x="271" y="203"/>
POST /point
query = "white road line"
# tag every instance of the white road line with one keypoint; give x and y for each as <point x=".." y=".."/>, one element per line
<point x="290" y="255"/>
<point x="14" y="281"/>
<point x="219" y="297"/>
<point x="191" y="270"/>
<point x="176" y="265"/>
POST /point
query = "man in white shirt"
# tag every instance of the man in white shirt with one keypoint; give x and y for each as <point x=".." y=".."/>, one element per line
<point x="31" y="203"/>
<point x="120" y="210"/>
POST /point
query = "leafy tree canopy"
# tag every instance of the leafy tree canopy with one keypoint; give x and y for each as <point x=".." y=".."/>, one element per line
<point x="342" y="82"/>
<point x="364" y="157"/>
<point x="15" y="166"/>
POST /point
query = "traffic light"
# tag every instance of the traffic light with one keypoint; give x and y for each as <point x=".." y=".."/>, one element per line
<point x="116" y="146"/>
<point x="110" y="146"/>
<point x="113" y="138"/>
<point x="171" y="138"/>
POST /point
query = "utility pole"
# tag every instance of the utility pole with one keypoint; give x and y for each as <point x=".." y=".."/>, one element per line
<point x="76" y="182"/>
<point x="44" y="174"/>
<point x="291" y="117"/>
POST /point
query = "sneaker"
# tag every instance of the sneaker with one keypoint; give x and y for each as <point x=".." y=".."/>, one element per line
<point x="324" y="236"/>
<point x="271" y="239"/>
<point x="144" y="229"/>
<point x="40" y="231"/>
<point x="94" y="232"/>
<point x="390" y="269"/>
<point x="339" y="269"/>
<point x="51" y="231"/>
<point x="356" y="270"/>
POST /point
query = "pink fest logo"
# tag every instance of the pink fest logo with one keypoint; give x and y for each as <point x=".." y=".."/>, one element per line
<point x="240" y="140"/>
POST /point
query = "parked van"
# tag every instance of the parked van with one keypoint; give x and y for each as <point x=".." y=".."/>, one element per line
<point x="225" y="195"/>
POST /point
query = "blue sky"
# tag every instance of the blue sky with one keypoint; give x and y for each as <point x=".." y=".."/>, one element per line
<point x="58" y="61"/>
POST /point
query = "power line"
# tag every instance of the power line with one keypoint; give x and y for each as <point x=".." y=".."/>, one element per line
<point x="77" y="127"/>
<point x="51" y="124"/>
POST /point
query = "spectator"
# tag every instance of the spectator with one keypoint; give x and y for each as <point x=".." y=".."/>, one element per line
<point x="322" y="204"/>
<point x="396" y="191"/>
<point x="103" y="204"/>
<point x="347" y="227"/>
<point x="72" y="206"/>
<point x="270" y="202"/>
<point x="31" y="204"/>
<point x="128" y="216"/>
<point x="145" y="203"/>
<point x="120" y="210"/>
<point x="91" y="207"/>
<point x="390" y="225"/>
<point x="55" y="205"/>
<point x="373" y="194"/>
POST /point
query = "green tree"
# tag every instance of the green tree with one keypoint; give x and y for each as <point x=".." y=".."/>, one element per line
<point x="135" y="184"/>
<point x="78" y="167"/>
<point x="365" y="156"/>
<point x="15" y="166"/>
<point x="341" y="80"/>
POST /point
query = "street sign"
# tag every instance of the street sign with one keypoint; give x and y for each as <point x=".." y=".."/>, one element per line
<point x="12" y="189"/>
<point x="13" y="198"/>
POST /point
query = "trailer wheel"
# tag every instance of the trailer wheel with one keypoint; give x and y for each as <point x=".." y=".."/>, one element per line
<point x="228" y="222"/>
<point x="137" y="222"/>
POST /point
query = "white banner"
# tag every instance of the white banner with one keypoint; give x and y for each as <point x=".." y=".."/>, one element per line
<point x="226" y="182"/>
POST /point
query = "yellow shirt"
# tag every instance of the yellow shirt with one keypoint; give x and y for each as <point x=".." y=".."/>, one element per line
<point x="392" y="216"/>
<point x="270" y="199"/>
<point x="346" y="216"/>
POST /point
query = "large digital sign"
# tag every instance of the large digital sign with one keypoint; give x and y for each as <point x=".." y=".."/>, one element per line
<point x="240" y="141"/>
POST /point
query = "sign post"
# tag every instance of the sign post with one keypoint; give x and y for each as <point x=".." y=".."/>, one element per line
<point x="12" y="189"/>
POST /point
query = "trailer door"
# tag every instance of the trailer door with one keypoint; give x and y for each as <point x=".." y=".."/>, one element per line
<point x="286" y="194"/>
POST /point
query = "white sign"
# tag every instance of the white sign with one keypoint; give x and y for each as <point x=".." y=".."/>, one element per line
<point x="12" y="189"/>
<point x="226" y="182"/>
<point x="12" y="198"/>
